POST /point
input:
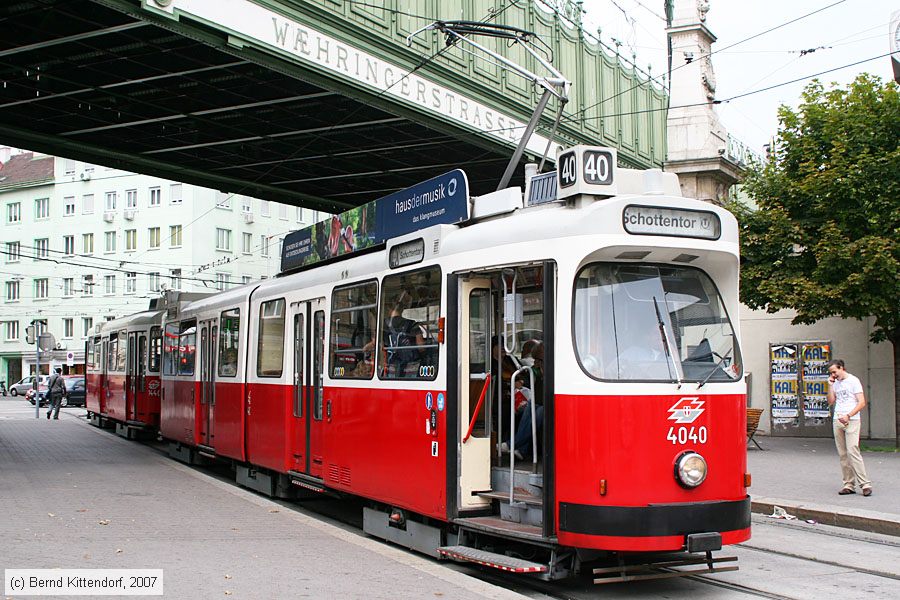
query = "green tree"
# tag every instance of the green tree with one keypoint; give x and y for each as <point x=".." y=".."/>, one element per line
<point x="824" y="237"/>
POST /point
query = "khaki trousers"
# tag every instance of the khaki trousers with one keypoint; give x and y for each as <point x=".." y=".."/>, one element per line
<point x="846" y="438"/>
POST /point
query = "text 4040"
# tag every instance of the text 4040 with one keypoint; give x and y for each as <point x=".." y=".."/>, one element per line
<point x="683" y="435"/>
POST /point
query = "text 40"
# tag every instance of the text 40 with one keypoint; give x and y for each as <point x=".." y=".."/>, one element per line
<point x="683" y="435"/>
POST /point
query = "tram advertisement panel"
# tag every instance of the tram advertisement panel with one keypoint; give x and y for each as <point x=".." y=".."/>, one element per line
<point x="442" y="199"/>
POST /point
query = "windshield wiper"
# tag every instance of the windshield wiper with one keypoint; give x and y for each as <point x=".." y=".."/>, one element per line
<point x="670" y="356"/>
<point x="715" y="368"/>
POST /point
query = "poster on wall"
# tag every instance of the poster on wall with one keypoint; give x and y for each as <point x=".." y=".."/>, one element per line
<point x="815" y="356"/>
<point x="784" y="392"/>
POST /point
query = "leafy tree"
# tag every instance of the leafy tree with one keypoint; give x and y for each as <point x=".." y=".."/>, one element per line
<point x="824" y="237"/>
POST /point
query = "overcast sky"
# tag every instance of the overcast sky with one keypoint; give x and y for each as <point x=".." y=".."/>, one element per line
<point x="848" y="32"/>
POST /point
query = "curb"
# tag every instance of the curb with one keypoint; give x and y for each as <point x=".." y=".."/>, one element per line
<point x="863" y="520"/>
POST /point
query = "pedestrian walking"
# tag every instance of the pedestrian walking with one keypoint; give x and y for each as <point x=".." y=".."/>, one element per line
<point x="56" y="389"/>
<point x="845" y="392"/>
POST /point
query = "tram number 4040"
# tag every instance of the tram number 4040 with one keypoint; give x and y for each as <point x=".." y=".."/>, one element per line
<point x="683" y="435"/>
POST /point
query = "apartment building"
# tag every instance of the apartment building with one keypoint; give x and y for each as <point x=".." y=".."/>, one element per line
<point x="82" y="243"/>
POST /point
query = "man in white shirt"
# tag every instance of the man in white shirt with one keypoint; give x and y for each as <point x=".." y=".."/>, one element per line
<point x="846" y="394"/>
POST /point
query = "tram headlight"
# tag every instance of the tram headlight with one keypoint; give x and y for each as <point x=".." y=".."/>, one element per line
<point x="690" y="469"/>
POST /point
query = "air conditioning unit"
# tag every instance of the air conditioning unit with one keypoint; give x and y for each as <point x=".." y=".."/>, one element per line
<point x="109" y="216"/>
<point x="85" y="176"/>
<point x="248" y="217"/>
<point x="129" y="213"/>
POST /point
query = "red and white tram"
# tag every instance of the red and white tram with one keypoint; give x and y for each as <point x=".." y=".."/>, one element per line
<point x="123" y="383"/>
<point x="371" y="373"/>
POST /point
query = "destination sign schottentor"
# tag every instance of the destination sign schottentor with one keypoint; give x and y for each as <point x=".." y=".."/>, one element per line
<point x="441" y="200"/>
<point x="657" y="220"/>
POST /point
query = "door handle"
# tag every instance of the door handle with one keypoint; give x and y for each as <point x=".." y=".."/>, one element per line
<point x="328" y="410"/>
<point x="248" y="403"/>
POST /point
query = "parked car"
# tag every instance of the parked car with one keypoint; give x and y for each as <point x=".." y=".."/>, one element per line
<point x="75" y="390"/>
<point x="22" y="386"/>
<point x="41" y="392"/>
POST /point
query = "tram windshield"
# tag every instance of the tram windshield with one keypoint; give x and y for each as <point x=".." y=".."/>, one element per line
<point x="652" y="323"/>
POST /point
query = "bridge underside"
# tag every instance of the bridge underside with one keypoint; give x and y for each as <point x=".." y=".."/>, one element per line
<point x="101" y="82"/>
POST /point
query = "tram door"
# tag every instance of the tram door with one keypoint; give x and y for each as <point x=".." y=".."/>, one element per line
<point x="208" y="337"/>
<point x="103" y="392"/>
<point x="309" y="405"/>
<point x="134" y="375"/>
<point x="474" y="343"/>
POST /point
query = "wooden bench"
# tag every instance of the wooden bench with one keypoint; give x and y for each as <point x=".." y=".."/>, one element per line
<point x="753" y="415"/>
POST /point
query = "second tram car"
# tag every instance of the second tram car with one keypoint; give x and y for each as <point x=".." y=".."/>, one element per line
<point x="593" y="325"/>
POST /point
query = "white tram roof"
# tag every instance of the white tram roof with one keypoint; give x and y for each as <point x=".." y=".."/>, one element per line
<point x="147" y="317"/>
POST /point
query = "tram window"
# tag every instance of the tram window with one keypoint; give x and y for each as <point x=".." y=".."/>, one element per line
<point x="270" y="349"/>
<point x="410" y="309"/>
<point x="112" y="353"/>
<point x="229" y="334"/>
<point x="89" y="353"/>
<point x="353" y="330"/>
<point x="652" y="323"/>
<point x="187" y="347"/>
<point x="155" y="349"/>
<point x="122" y="358"/>
<point x="170" y="349"/>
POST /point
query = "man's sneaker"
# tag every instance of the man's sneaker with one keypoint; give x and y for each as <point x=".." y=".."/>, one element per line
<point x="504" y="448"/>
<point x="519" y="455"/>
<point x="867" y="491"/>
<point x="845" y="491"/>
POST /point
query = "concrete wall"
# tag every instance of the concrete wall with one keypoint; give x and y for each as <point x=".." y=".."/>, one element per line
<point x="872" y="363"/>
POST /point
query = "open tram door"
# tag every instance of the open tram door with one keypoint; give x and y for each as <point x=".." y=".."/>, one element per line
<point x="503" y="500"/>
<point x="206" y="415"/>
<point x="474" y="462"/>
<point x="308" y="404"/>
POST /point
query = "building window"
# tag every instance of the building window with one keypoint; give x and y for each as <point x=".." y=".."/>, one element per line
<point x="68" y="287"/>
<point x="69" y="245"/>
<point x="130" y="282"/>
<point x="175" y="279"/>
<point x="110" y="238"/>
<point x="223" y="200"/>
<point x="87" y="204"/>
<point x="42" y="208"/>
<point x="223" y="281"/>
<point x="155" y="196"/>
<point x="12" y="291"/>
<point x="153" y="281"/>
<point x="246" y="279"/>
<point x="41" y="248"/>
<point x="109" y="284"/>
<point x="110" y="201"/>
<point x="223" y="239"/>
<point x="69" y="167"/>
<point x="87" y="324"/>
<point x="12" y="331"/>
<point x="13" y="251"/>
<point x="130" y="239"/>
<point x="87" y="243"/>
<point x="14" y="212"/>
<point x="175" y="236"/>
<point x="175" y="193"/>
<point x="130" y="198"/>
<point x="69" y="206"/>
<point x="264" y="245"/>
<point x="87" y="285"/>
<point x="154" y="237"/>
<point x="41" y="289"/>
<point x="247" y="243"/>
<point x="245" y="204"/>
<point x="264" y="208"/>
<point x="68" y="328"/>
<point x="282" y="212"/>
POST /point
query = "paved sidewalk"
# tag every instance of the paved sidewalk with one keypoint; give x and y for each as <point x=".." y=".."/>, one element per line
<point x="72" y="496"/>
<point x="803" y="476"/>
